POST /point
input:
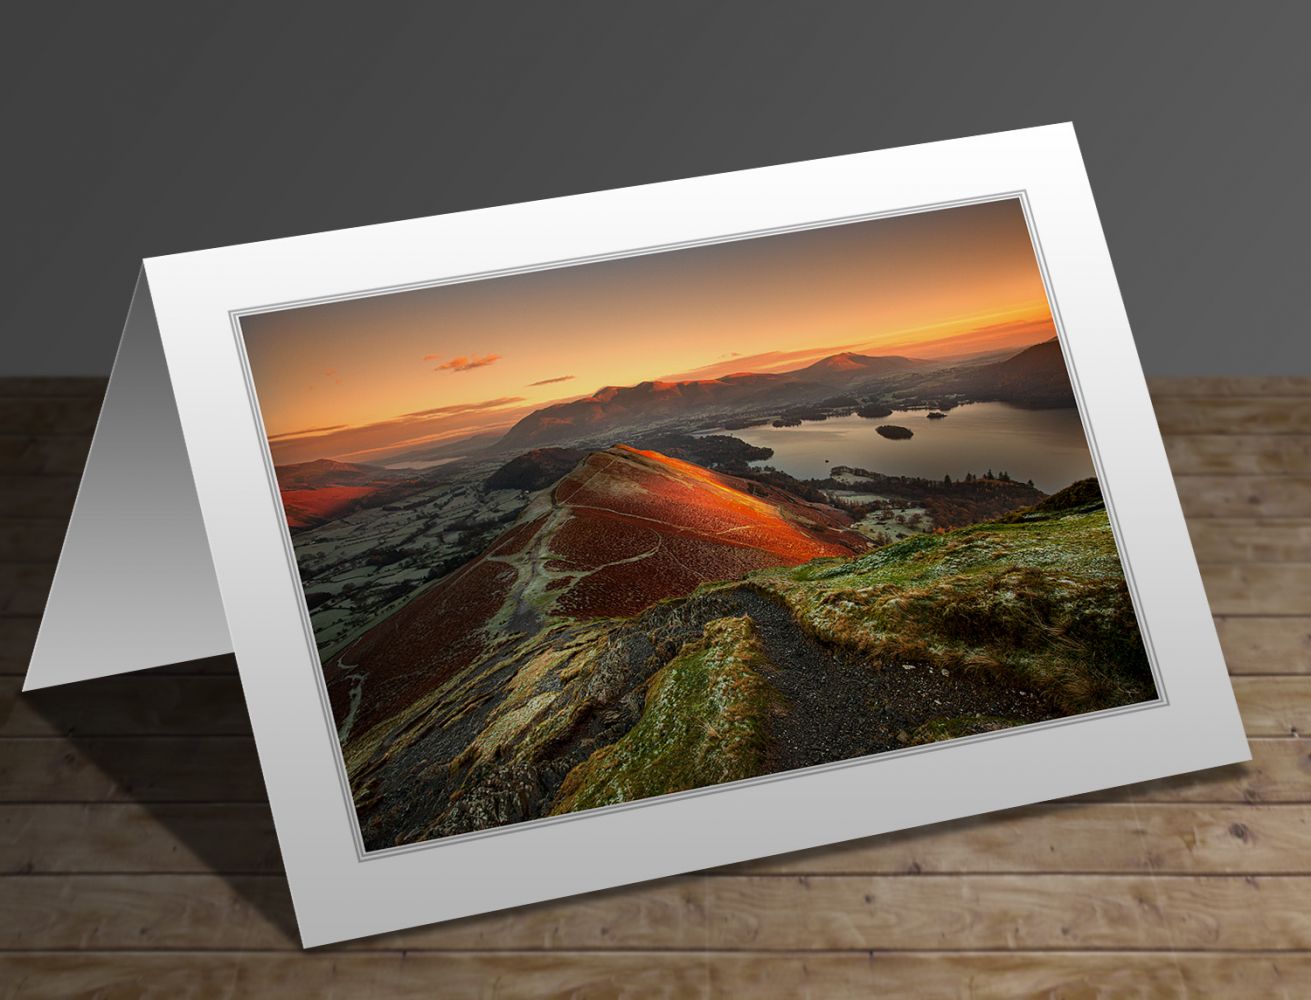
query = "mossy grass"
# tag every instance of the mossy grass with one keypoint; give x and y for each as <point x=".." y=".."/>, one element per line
<point x="936" y="730"/>
<point x="1036" y="602"/>
<point x="704" y="723"/>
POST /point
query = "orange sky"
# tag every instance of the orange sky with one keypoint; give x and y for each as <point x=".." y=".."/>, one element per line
<point x="364" y="380"/>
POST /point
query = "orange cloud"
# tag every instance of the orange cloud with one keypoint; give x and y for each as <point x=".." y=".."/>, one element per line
<point x="441" y="411"/>
<point x="463" y="364"/>
<point x="308" y="432"/>
<point x="384" y="437"/>
<point x="551" y="381"/>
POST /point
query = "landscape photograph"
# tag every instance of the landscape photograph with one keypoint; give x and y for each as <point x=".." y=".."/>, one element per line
<point x="593" y="534"/>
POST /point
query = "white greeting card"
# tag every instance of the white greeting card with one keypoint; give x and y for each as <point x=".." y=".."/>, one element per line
<point x="592" y="540"/>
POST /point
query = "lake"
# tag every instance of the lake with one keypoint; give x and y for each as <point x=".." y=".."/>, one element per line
<point x="1047" y="446"/>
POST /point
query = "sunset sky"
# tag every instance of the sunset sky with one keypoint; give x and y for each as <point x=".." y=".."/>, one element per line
<point x="366" y="380"/>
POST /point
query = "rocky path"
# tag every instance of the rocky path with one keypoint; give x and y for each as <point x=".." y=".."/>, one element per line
<point x="841" y="707"/>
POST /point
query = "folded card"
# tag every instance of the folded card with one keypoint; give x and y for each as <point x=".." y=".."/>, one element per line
<point x="592" y="540"/>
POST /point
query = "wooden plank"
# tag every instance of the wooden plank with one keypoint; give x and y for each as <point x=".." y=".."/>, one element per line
<point x="1245" y="540"/>
<point x="131" y="704"/>
<point x="1110" y="838"/>
<point x="138" y="838"/>
<point x="1274" y="706"/>
<point x="1262" y="645"/>
<point x="1244" y="496"/>
<point x="1279" y="771"/>
<point x="28" y="386"/>
<point x="965" y="913"/>
<point x="675" y="974"/>
<point x="1258" y="588"/>
<point x="1164" y="386"/>
<point x="184" y="975"/>
<point x="48" y="497"/>
<point x="1081" y="837"/>
<point x="979" y="976"/>
<point x="1233" y="415"/>
<point x="151" y="769"/>
<point x="17" y="636"/>
<point x="206" y="911"/>
<point x="142" y="769"/>
<point x="49" y="414"/>
<point x="1239" y="454"/>
<point x="31" y="540"/>
<point x="759" y="913"/>
<point x="24" y="587"/>
<point x="35" y="455"/>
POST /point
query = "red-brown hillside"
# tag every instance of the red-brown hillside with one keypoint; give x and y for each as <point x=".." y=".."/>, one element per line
<point x="314" y="493"/>
<point x="624" y="529"/>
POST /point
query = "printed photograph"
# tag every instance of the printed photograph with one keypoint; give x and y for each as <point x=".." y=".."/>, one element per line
<point x="594" y="534"/>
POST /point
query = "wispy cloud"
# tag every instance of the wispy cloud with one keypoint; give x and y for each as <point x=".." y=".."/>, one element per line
<point x="462" y="363"/>
<point x="443" y="411"/>
<point x="552" y="381"/>
<point x="387" y="436"/>
<point x="307" y="432"/>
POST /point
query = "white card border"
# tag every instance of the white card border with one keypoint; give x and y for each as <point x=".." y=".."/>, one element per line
<point x="337" y="895"/>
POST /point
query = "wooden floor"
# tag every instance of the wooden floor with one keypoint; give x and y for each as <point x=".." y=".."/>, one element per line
<point x="138" y="858"/>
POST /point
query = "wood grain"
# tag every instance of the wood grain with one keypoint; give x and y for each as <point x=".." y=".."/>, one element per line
<point x="1112" y="838"/>
<point x="30" y="387"/>
<point x="209" y="769"/>
<point x="38" y="497"/>
<point x="1265" y="415"/>
<point x="1265" y="645"/>
<point x="1258" y="588"/>
<point x="137" y="854"/>
<point x="1210" y="386"/>
<point x="133" y="703"/>
<point x="672" y="974"/>
<point x="766" y="913"/>
<point x="1239" y="454"/>
<point x="1240" y="540"/>
<point x="1274" y="706"/>
<point x="49" y="415"/>
<point x="1244" y="496"/>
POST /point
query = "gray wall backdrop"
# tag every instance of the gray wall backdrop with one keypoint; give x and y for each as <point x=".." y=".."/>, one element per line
<point x="136" y="129"/>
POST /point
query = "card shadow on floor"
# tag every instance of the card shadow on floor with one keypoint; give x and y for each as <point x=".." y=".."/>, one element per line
<point x="177" y="741"/>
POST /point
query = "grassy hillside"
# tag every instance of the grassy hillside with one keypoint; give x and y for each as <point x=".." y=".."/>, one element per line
<point x="1037" y="600"/>
<point x="932" y="638"/>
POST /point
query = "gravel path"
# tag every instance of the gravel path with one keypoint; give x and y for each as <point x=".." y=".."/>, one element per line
<point x="841" y="707"/>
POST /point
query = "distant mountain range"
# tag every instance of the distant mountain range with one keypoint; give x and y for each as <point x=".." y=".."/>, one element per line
<point x="1034" y="377"/>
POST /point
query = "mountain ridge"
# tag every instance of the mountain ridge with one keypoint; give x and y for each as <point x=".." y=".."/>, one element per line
<point x="1034" y="376"/>
<point x="623" y="530"/>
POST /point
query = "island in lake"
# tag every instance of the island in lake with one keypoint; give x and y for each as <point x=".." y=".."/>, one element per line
<point x="544" y="577"/>
<point x="895" y="432"/>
